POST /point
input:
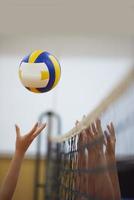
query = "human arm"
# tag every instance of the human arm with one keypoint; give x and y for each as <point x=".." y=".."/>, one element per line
<point x="103" y="184"/>
<point x="111" y="159"/>
<point x="22" y="144"/>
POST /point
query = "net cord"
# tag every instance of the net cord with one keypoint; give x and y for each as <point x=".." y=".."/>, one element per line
<point x="111" y="98"/>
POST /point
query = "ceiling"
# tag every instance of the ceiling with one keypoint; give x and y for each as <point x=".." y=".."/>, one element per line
<point x="69" y="27"/>
<point x="70" y="17"/>
<point x="70" y="46"/>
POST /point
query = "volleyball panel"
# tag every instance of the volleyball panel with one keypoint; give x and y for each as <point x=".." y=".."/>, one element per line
<point x="39" y="72"/>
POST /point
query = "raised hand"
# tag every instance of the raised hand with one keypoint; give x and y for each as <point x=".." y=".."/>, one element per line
<point x="98" y="135"/>
<point x="24" y="141"/>
<point x="110" y="139"/>
<point x="103" y="188"/>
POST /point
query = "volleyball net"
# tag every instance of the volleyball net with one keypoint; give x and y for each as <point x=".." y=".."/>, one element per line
<point x="82" y="162"/>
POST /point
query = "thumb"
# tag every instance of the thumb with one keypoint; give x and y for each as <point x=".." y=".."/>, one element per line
<point x="17" y="130"/>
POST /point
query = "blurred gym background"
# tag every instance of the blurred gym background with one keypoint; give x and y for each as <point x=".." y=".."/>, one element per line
<point x="94" y="42"/>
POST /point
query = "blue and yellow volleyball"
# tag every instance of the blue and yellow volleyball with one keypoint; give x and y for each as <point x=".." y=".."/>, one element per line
<point x="40" y="71"/>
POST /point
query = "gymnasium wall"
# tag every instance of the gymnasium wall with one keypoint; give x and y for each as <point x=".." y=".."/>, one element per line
<point x="25" y="185"/>
<point x="77" y="94"/>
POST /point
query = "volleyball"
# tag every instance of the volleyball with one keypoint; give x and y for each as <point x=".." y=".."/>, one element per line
<point x="39" y="72"/>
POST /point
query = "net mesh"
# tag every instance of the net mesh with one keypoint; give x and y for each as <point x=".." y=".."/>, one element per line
<point x="82" y="163"/>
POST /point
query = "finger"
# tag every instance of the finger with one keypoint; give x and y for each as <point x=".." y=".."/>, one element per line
<point x="89" y="137"/>
<point x="41" y="127"/>
<point x="109" y="128"/>
<point x="84" y="137"/>
<point x="79" y="139"/>
<point x="94" y="129"/>
<point x="34" y="128"/>
<point x="108" y="137"/>
<point x="105" y="133"/>
<point x="98" y="125"/>
<point x="112" y="128"/>
<point x="39" y="130"/>
<point x="17" y="130"/>
<point x="90" y="134"/>
<point x="105" y="138"/>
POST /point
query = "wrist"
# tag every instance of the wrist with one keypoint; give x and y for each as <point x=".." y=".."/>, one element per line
<point x="19" y="155"/>
<point x="110" y="155"/>
<point x="101" y="159"/>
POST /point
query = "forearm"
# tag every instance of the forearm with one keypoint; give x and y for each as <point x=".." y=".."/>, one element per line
<point x="111" y="161"/>
<point x="10" y="182"/>
<point x="103" y="184"/>
<point x="91" y="175"/>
